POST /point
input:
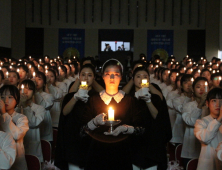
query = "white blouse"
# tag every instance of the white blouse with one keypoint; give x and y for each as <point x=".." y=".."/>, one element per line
<point x="67" y="82"/>
<point x="219" y="151"/>
<point x="46" y="100"/>
<point x="169" y="100"/>
<point x="166" y="90"/>
<point x="7" y="150"/>
<point x="62" y="86"/>
<point x="71" y="78"/>
<point x="32" y="141"/>
<point x="191" y="146"/>
<point x="162" y="86"/>
<point x="55" y="110"/>
<point x="179" y="127"/>
<point x="209" y="132"/>
<point x="17" y="126"/>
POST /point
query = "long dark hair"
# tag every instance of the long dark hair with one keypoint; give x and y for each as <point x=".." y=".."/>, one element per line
<point x="13" y="91"/>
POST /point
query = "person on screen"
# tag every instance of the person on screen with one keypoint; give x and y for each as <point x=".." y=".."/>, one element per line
<point x="122" y="48"/>
<point x="119" y="48"/>
<point x="107" y="48"/>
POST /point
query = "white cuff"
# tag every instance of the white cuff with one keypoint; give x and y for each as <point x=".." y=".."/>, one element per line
<point x="91" y="125"/>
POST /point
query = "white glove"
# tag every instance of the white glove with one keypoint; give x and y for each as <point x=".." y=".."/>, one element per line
<point x="143" y="94"/>
<point x="125" y="129"/>
<point x="82" y="95"/>
<point x="98" y="120"/>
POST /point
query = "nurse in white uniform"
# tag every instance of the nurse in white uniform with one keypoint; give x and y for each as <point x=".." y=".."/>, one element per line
<point x="191" y="112"/>
<point x="13" y="123"/>
<point x="178" y="104"/>
<point x="57" y="94"/>
<point x="176" y="92"/>
<point x="208" y="131"/>
<point x="35" y="114"/>
<point x="45" y="99"/>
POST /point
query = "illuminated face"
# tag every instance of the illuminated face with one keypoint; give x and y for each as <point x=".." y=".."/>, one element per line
<point x="13" y="79"/>
<point x="137" y="79"/>
<point x="214" y="106"/>
<point x="199" y="88"/>
<point x="216" y="81"/>
<point x="112" y="76"/>
<point x="51" y="77"/>
<point x="165" y="76"/>
<point x="9" y="100"/>
<point x="28" y="92"/>
<point x="173" y="78"/>
<point x="39" y="83"/>
<point x="207" y="75"/>
<point x="22" y="73"/>
<point x="87" y="75"/>
<point x="187" y="86"/>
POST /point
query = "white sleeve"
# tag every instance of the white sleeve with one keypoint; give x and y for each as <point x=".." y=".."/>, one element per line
<point x="178" y="104"/>
<point x="170" y="103"/>
<point x="56" y="92"/>
<point x="191" y="114"/>
<point x="7" y="152"/>
<point x="35" y="115"/>
<point x="17" y="131"/>
<point x="219" y="151"/>
<point x="47" y="100"/>
<point x="205" y="133"/>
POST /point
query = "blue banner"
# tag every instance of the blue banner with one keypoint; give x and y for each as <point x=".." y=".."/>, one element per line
<point x="159" y="41"/>
<point x="71" y="42"/>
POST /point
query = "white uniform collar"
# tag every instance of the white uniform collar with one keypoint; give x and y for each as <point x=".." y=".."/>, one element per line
<point x="107" y="98"/>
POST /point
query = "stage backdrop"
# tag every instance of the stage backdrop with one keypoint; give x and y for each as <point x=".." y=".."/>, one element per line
<point x="159" y="42"/>
<point x="71" y="42"/>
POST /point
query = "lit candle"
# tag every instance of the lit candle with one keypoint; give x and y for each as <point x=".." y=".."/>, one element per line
<point x="190" y="62"/>
<point x="18" y="70"/>
<point x="206" y="86"/>
<point x="169" y="72"/>
<point x="177" y="74"/>
<point x="69" y="61"/>
<point x="160" y="63"/>
<point x="191" y="70"/>
<point x="192" y="80"/>
<point x="184" y="68"/>
<point x="177" y="63"/>
<point x="30" y="66"/>
<point x="171" y="62"/>
<point x="111" y="114"/>
<point x="157" y="61"/>
<point x="74" y="57"/>
<point x="7" y="74"/>
<point x="20" y="59"/>
<point x="33" y="74"/>
<point x="1" y="63"/>
<point x="203" y="66"/>
<point x="30" y="57"/>
<point x="210" y="63"/>
<point x="213" y="71"/>
<point x="12" y="64"/>
<point x="201" y="58"/>
<point x="25" y="63"/>
<point x="40" y="60"/>
<point x="187" y="56"/>
<point x="46" y="72"/>
<point x="217" y="64"/>
<point x="220" y="78"/>
<point x="38" y="65"/>
<point x="58" y="57"/>
<point x="204" y="59"/>
<point x="83" y="83"/>
<point x="198" y="71"/>
<point x="22" y="88"/>
<point x="10" y="60"/>
<point x="59" y="70"/>
<point x="10" y="67"/>
<point x="157" y="66"/>
<point x="55" y="59"/>
<point x="46" y="67"/>
<point x="218" y="71"/>
<point x="210" y="69"/>
<point x="144" y="83"/>
<point x="0" y="68"/>
<point x="194" y="62"/>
